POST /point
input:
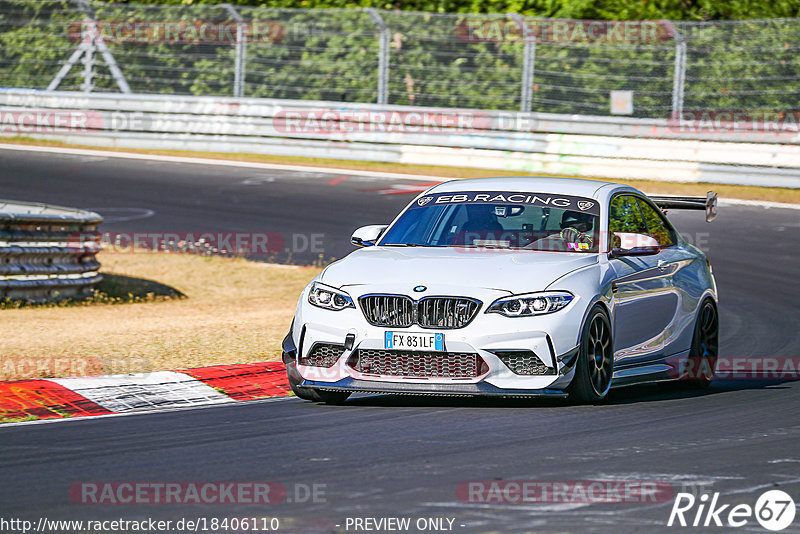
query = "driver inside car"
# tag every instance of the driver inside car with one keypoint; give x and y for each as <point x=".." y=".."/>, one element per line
<point x="576" y="230"/>
<point x="582" y="222"/>
<point x="575" y="234"/>
<point x="481" y="219"/>
<point x="480" y="227"/>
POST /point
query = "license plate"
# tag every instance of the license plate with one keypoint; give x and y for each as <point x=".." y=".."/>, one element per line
<point x="411" y="341"/>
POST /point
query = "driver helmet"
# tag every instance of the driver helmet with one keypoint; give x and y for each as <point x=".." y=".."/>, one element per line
<point x="581" y="222"/>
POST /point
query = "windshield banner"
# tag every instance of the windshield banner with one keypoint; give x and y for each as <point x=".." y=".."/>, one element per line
<point x="511" y="198"/>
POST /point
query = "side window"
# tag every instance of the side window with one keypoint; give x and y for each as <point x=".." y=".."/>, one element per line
<point x="624" y="216"/>
<point x="656" y="227"/>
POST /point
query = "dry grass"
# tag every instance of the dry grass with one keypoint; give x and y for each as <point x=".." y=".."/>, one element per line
<point x="235" y="311"/>
<point x="775" y="194"/>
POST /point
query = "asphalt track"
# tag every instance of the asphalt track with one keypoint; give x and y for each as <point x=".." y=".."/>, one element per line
<point x="380" y="456"/>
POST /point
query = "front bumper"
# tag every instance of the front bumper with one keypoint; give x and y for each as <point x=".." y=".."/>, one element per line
<point x="552" y="338"/>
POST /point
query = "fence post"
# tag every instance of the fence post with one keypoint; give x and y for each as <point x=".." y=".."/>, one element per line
<point x="679" y="74"/>
<point x="383" y="56"/>
<point x="87" y="49"/>
<point x="122" y="83"/>
<point x="528" y="62"/>
<point x="241" y="51"/>
<point x="88" y="69"/>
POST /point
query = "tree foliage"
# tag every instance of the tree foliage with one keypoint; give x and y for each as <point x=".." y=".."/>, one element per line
<point x="332" y="54"/>
<point x="697" y="10"/>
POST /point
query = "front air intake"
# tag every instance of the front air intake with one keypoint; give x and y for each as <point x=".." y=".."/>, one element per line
<point x="418" y="364"/>
<point x="322" y="355"/>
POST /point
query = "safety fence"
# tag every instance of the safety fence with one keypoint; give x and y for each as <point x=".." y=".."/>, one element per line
<point x="47" y="253"/>
<point x="712" y="149"/>
<point x="652" y="69"/>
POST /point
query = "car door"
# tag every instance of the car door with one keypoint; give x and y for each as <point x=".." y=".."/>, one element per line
<point x="671" y="316"/>
<point x="645" y="301"/>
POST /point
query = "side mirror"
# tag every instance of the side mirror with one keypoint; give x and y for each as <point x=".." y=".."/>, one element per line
<point x="630" y="244"/>
<point x="366" y="236"/>
<point x="711" y="206"/>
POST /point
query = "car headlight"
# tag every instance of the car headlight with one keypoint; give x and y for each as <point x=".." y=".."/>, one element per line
<point x="530" y="304"/>
<point x="329" y="298"/>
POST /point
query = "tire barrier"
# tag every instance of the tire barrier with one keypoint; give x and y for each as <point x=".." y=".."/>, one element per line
<point x="47" y="253"/>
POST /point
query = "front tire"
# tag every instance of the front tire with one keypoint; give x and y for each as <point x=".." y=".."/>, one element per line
<point x="309" y="394"/>
<point x="331" y="397"/>
<point x="595" y="365"/>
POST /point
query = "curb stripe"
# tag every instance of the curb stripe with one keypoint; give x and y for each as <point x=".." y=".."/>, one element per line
<point x="55" y="398"/>
<point x="44" y="399"/>
<point x="159" y="389"/>
<point x="246" y="381"/>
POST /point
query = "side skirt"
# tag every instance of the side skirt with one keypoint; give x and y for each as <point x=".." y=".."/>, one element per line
<point x="667" y="368"/>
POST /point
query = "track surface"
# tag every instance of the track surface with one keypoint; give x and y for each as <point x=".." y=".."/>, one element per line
<point x="382" y="456"/>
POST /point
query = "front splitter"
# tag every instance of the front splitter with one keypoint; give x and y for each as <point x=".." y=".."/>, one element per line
<point x="481" y="389"/>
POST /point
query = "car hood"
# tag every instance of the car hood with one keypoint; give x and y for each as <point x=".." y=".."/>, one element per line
<point x="401" y="269"/>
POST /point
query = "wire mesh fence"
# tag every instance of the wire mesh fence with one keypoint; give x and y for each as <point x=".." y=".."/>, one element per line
<point x="501" y="62"/>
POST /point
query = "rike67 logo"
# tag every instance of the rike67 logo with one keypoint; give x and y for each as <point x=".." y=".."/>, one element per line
<point x="774" y="510"/>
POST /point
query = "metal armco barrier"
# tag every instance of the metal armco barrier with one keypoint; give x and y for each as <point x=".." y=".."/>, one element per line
<point x="595" y="146"/>
<point x="47" y="253"/>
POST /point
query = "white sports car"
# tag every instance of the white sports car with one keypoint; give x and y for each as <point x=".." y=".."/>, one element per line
<point x="510" y="287"/>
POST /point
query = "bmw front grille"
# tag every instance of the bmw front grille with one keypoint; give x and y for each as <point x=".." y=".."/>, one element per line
<point x="428" y="312"/>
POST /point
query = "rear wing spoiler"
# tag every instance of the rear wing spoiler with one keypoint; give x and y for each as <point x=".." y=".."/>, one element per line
<point x="708" y="204"/>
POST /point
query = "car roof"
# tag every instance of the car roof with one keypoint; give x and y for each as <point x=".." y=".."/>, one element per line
<point x="533" y="184"/>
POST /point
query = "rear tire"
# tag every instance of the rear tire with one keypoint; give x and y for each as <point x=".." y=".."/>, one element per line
<point x="702" y="359"/>
<point x="595" y="365"/>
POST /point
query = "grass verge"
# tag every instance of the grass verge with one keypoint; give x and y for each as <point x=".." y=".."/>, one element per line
<point x="228" y="310"/>
<point x="18" y="419"/>
<point x="773" y="194"/>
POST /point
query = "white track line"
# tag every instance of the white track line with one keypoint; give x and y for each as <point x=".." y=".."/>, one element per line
<point x="759" y="203"/>
<point x="302" y="168"/>
<point x="221" y="162"/>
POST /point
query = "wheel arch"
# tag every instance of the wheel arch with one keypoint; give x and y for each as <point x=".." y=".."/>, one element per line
<point x="597" y="300"/>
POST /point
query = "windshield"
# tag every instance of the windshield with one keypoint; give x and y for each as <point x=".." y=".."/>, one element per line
<point x="505" y="220"/>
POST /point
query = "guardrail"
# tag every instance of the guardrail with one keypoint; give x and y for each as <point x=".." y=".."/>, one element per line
<point x="47" y="253"/>
<point x="612" y="147"/>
